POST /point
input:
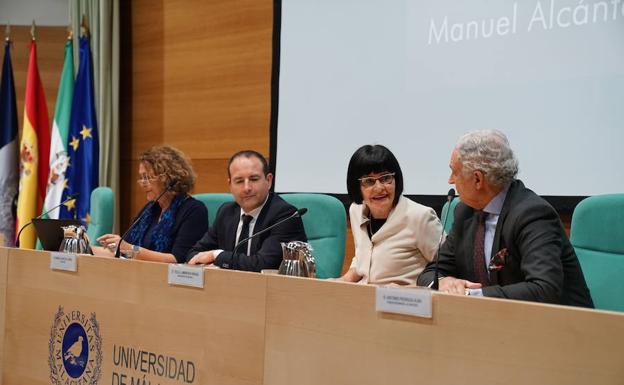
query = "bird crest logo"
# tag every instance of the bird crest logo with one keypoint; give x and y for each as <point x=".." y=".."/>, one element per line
<point x="75" y="348"/>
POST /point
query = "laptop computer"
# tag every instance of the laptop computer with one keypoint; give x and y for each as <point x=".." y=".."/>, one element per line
<point x="50" y="233"/>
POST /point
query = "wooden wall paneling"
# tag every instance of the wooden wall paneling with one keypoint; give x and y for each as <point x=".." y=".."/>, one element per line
<point x="141" y="96"/>
<point x="50" y="51"/>
<point x="126" y="115"/>
<point x="201" y="75"/>
<point x="218" y="76"/>
<point x="211" y="175"/>
<point x="147" y="87"/>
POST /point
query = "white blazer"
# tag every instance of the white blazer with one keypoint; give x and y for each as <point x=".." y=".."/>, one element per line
<point x="400" y="249"/>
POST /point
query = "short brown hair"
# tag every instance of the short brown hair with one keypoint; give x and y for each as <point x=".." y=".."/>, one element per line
<point x="173" y="164"/>
<point x="250" y="154"/>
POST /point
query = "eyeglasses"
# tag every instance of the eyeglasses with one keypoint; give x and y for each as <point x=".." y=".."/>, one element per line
<point x="146" y="179"/>
<point x="369" y="181"/>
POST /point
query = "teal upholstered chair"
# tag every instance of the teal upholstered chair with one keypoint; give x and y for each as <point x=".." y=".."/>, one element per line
<point x="102" y="209"/>
<point x="325" y="225"/>
<point x="213" y="201"/>
<point x="597" y="234"/>
<point x="451" y="217"/>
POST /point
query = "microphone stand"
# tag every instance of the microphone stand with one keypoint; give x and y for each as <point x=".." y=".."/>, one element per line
<point x="449" y="198"/>
<point x="296" y="214"/>
<point x="145" y="209"/>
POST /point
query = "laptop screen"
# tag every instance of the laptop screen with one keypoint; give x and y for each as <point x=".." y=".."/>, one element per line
<point x="50" y="232"/>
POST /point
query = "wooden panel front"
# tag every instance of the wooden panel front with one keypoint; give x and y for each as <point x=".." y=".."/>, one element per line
<point x="220" y="328"/>
<point x="4" y="254"/>
<point x="329" y="333"/>
<point x="248" y="328"/>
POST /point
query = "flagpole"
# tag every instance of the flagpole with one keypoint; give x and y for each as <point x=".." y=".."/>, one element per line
<point x="84" y="26"/>
<point x="33" y="31"/>
<point x="34" y="147"/>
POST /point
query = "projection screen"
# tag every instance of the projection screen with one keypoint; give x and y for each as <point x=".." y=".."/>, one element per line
<point x="415" y="75"/>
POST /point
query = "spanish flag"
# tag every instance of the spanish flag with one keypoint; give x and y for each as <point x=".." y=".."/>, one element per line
<point x="34" y="152"/>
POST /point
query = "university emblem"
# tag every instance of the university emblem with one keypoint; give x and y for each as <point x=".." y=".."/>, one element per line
<point x="75" y="349"/>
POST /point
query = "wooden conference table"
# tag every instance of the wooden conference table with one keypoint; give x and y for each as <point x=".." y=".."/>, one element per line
<point x="119" y="322"/>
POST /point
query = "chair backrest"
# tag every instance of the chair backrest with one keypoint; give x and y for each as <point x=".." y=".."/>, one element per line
<point x="102" y="209"/>
<point x="597" y="234"/>
<point x="213" y="201"/>
<point x="325" y="225"/>
<point x="451" y="218"/>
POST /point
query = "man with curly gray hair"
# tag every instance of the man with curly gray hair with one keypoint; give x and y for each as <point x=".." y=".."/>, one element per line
<point x="506" y="241"/>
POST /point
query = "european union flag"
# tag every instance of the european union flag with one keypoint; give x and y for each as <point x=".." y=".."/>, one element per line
<point x="83" y="148"/>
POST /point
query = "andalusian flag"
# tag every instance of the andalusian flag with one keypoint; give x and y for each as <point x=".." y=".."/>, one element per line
<point x="83" y="143"/>
<point x="60" y="132"/>
<point x="8" y="149"/>
<point x="34" y="152"/>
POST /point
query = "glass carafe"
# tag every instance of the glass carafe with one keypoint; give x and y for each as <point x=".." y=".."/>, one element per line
<point x="297" y="260"/>
<point x="75" y="240"/>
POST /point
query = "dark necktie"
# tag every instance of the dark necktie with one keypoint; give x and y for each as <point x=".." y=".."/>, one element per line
<point x="478" y="260"/>
<point x="245" y="231"/>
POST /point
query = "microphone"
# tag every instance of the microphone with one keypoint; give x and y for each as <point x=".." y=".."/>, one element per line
<point x="297" y="214"/>
<point x="69" y="198"/>
<point x="449" y="198"/>
<point x="147" y="207"/>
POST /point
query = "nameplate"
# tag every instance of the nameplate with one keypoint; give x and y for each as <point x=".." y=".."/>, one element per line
<point x="186" y="275"/>
<point x="415" y="301"/>
<point x="63" y="261"/>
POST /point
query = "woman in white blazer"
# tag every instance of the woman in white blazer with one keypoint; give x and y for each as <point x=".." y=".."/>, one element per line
<point x="394" y="236"/>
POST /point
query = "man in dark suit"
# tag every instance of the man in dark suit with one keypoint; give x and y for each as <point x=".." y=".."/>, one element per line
<point x="506" y="241"/>
<point x="254" y="209"/>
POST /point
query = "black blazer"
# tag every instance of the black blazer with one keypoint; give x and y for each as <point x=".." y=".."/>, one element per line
<point x="540" y="264"/>
<point x="266" y="251"/>
<point x="190" y="223"/>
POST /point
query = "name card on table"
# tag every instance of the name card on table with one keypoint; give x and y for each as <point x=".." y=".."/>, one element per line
<point x="415" y="301"/>
<point x="63" y="261"/>
<point x="186" y="275"/>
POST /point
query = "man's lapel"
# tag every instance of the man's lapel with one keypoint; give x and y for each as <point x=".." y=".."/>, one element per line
<point x="261" y="223"/>
<point x="231" y="228"/>
<point x="498" y="234"/>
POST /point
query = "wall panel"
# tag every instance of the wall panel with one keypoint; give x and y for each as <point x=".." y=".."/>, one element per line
<point x="198" y="78"/>
<point x="50" y="50"/>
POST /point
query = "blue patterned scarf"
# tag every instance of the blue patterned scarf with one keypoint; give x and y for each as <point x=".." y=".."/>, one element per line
<point x="161" y="238"/>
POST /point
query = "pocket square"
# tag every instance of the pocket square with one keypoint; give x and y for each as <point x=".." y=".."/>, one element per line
<point x="498" y="260"/>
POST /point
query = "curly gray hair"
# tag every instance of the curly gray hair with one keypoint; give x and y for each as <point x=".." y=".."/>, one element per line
<point x="488" y="151"/>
